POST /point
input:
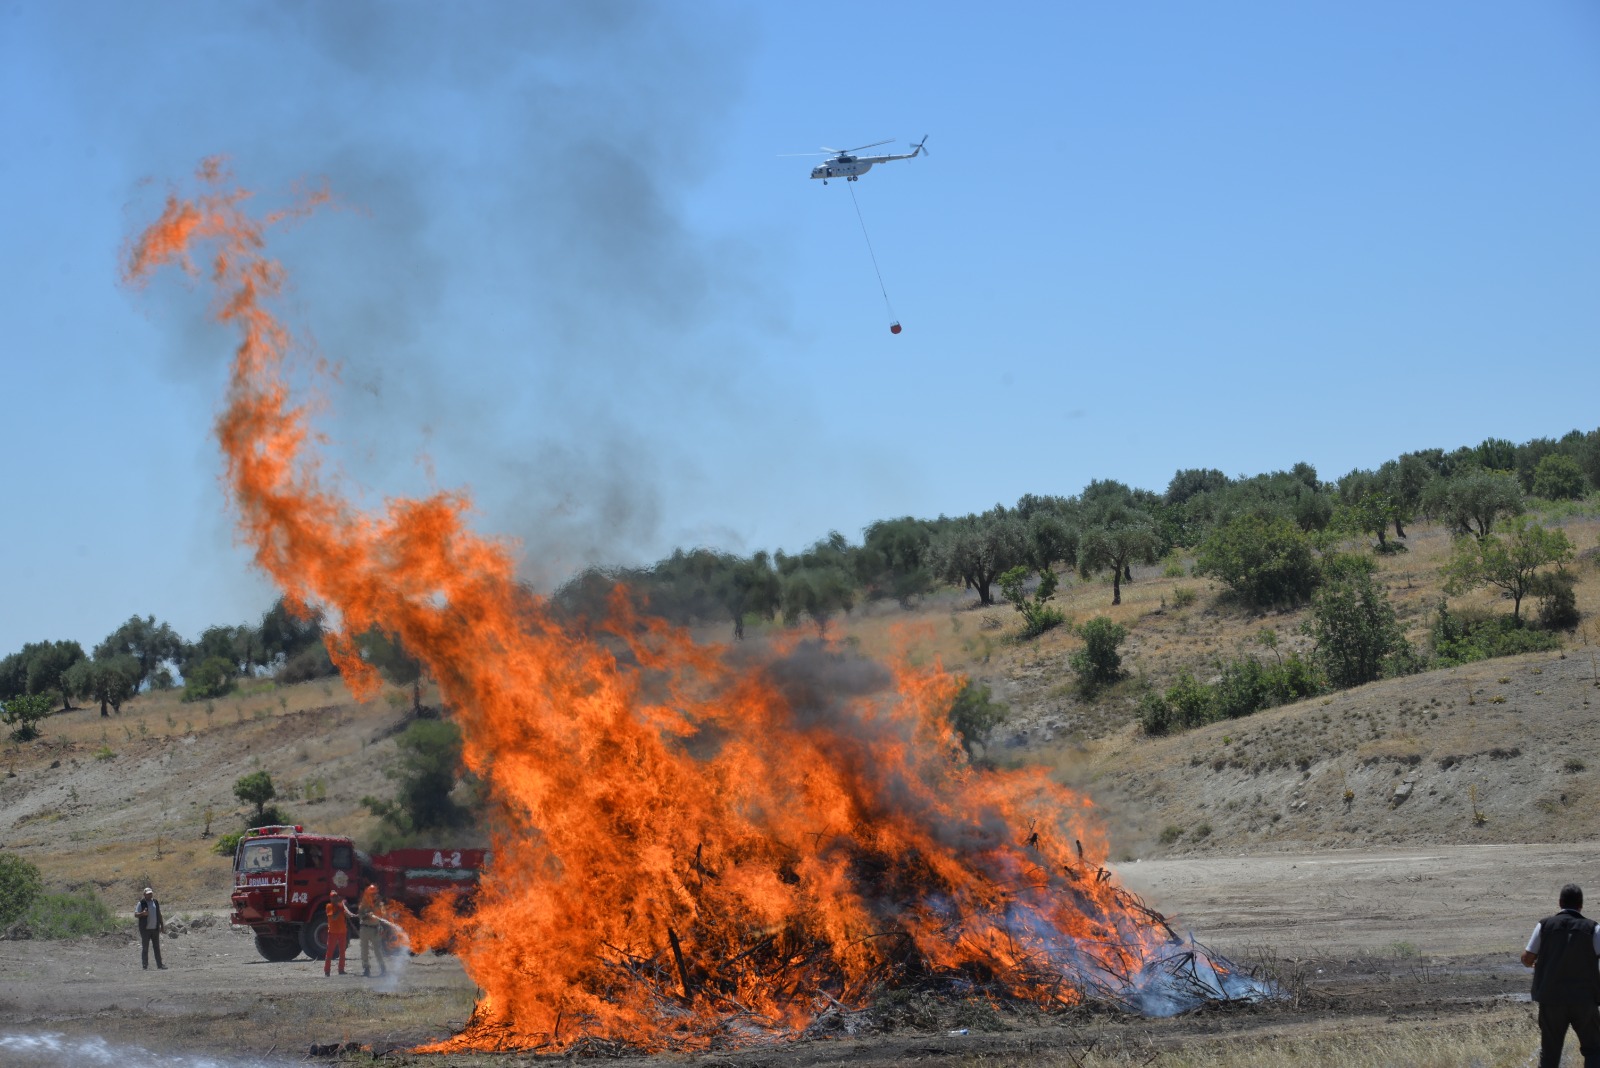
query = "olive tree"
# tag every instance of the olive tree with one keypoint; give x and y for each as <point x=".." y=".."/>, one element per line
<point x="1265" y="559"/>
<point x="975" y="550"/>
<point x="148" y="642"/>
<point x="23" y="713"/>
<point x="109" y="680"/>
<point x="1508" y="561"/>
<point x="1558" y="478"/>
<point x="1471" y="502"/>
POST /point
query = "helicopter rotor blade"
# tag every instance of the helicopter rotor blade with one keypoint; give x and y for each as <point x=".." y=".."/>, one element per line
<point x="874" y="144"/>
<point x="789" y="155"/>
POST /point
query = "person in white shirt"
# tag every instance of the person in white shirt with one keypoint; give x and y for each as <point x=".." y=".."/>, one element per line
<point x="1564" y="954"/>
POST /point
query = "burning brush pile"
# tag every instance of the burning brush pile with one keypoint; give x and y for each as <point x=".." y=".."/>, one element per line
<point x="698" y="846"/>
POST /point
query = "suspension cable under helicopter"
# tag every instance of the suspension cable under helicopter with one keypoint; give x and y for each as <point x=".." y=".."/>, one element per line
<point x="894" y="324"/>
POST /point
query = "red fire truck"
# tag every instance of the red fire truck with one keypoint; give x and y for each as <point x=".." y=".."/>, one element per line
<point x="282" y="878"/>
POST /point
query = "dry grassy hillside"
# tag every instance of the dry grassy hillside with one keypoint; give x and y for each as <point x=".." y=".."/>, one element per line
<point x="1509" y="732"/>
<point x="1494" y="751"/>
<point x="124" y="801"/>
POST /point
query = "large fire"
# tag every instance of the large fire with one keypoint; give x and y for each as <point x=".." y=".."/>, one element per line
<point x="695" y="845"/>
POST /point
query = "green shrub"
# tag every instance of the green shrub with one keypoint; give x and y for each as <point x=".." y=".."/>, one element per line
<point x="1183" y="596"/>
<point x="1266" y="560"/>
<point x="1098" y="663"/>
<point x="228" y="844"/>
<point x="1558" y="478"/>
<point x="1358" y="638"/>
<point x="212" y="677"/>
<point x="20" y="885"/>
<point x="23" y="711"/>
<point x="1174" y="569"/>
<point x="257" y="789"/>
<point x="312" y="662"/>
<point x="1338" y="567"/>
<point x="974" y="713"/>
<point x="426" y="775"/>
<point x="1155" y="714"/>
<point x="1460" y="637"/>
<point x="71" y="915"/>
<point x="1038" y="615"/>
<point x="1193" y="702"/>
<point x="1171" y="833"/>
<point x="1242" y="689"/>
<point x="1558" y="600"/>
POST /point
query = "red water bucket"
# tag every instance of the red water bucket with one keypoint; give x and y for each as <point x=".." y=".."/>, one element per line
<point x="894" y="328"/>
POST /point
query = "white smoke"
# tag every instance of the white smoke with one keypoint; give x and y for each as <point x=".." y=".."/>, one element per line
<point x="51" y="1050"/>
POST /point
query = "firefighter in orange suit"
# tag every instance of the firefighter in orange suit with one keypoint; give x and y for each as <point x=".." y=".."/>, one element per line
<point x="339" y="915"/>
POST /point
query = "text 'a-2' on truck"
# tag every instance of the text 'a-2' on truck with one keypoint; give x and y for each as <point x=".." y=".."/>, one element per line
<point x="283" y="878"/>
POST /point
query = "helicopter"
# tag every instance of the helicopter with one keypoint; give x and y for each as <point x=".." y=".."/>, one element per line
<point x="845" y="164"/>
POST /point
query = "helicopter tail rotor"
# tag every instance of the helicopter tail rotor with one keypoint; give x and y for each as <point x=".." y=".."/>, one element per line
<point x="921" y="145"/>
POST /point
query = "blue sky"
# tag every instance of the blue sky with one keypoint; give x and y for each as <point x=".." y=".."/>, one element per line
<point x="574" y="274"/>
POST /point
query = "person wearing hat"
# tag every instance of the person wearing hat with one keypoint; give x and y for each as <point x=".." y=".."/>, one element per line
<point x="370" y="915"/>
<point x="148" y="914"/>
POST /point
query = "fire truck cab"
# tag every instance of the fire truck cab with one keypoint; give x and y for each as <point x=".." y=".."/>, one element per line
<point x="282" y="878"/>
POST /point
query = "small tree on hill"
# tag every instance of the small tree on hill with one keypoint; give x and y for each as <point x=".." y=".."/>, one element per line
<point x="1038" y="615"/>
<point x="974" y="713"/>
<point x="108" y="680"/>
<point x="1358" y="638"/>
<point x="20" y="886"/>
<point x="1472" y="501"/>
<point x="820" y="592"/>
<point x="1558" y="478"/>
<point x="1098" y="663"/>
<point x="893" y="560"/>
<point x="975" y="550"/>
<point x="148" y="642"/>
<point x="425" y="775"/>
<point x="384" y="652"/>
<point x="749" y="587"/>
<point x="211" y="677"/>
<point x="1509" y="561"/>
<point x="1266" y="559"/>
<point x="1367" y="505"/>
<point x="256" y="789"/>
<point x="1116" y="544"/>
<point x="22" y="714"/>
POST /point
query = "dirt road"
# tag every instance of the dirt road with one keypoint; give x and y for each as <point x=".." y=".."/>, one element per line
<point x="1450" y="901"/>
<point x="1429" y="927"/>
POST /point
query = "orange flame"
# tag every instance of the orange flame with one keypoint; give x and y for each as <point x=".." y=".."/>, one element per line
<point x="696" y="845"/>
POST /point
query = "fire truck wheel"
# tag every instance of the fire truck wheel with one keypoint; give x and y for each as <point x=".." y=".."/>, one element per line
<point x="314" y="938"/>
<point x="278" y="948"/>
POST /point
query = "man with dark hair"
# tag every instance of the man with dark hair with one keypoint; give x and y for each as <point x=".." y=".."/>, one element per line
<point x="1564" y="954"/>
